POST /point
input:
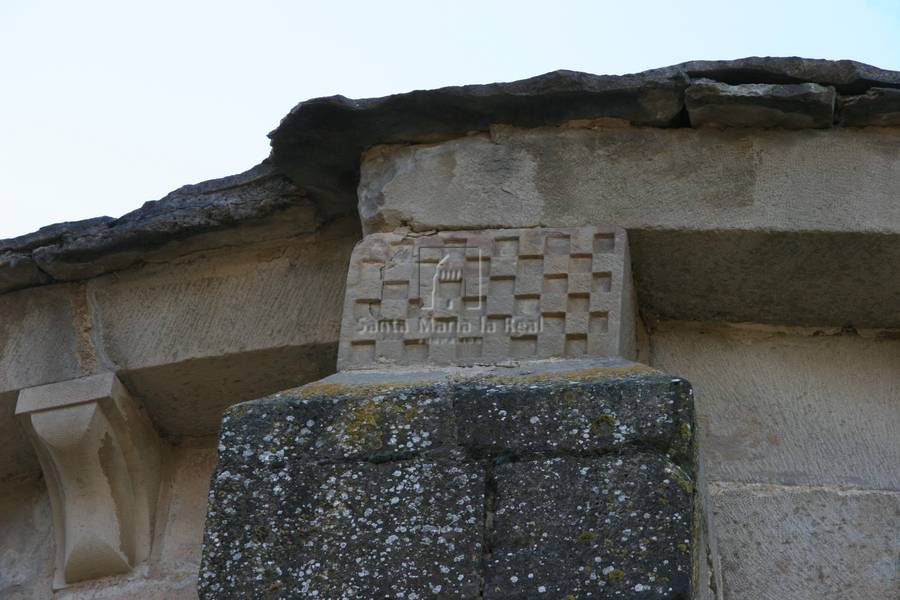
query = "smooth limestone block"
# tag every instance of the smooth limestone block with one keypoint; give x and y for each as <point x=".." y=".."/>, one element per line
<point x="807" y="543"/>
<point x="376" y="484"/>
<point x="476" y="297"/>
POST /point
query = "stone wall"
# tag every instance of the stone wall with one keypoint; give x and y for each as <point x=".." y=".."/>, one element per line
<point x="758" y="200"/>
<point x="799" y="435"/>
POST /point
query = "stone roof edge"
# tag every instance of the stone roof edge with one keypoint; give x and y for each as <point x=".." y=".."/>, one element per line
<point x="314" y="163"/>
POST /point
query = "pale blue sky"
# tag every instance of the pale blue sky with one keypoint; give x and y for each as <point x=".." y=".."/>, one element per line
<point x="108" y="104"/>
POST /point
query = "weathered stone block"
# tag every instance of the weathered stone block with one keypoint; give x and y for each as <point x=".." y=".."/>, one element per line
<point x="467" y="297"/>
<point x="792" y="106"/>
<point x="578" y="416"/>
<point x="877" y="107"/>
<point x="610" y="527"/>
<point x="333" y="422"/>
<point x="407" y="529"/>
<point x="373" y="484"/>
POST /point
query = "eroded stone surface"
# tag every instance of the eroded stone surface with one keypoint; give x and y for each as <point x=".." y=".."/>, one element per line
<point x="371" y="485"/>
<point x="792" y="106"/>
<point x="100" y="459"/>
<point x="610" y="527"/>
<point x="83" y="249"/>
<point x="467" y="297"/>
<point x="319" y="142"/>
<point x="877" y="107"/>
<point x="579" y="416"/>
<point x="407" y="529"/>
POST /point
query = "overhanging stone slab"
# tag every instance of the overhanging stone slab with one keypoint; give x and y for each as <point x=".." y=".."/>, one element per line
<point x="791" y="106"/>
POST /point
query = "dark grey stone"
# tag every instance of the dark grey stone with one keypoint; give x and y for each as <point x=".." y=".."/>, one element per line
<point x="334" y="423"/>
<point x="318" y="144"/>
<point x="791" y="106"/>
<point x="19" y="271"/>
<point x="409" y="529"/>
<point x="608" y="527"/>
<point x="578" y="416"/>
<point x="878" y="107"/>
<point x="846" y="76"/>
<point x="369" y="487"/>
<point x="82" y="249"/>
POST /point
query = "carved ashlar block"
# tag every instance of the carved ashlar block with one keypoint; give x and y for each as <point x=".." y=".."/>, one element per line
<point x="481" y="297"/>
<point x="100" y="457"/>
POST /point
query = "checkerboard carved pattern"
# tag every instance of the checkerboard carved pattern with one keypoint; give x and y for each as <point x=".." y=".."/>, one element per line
<point x="473" y="297"/>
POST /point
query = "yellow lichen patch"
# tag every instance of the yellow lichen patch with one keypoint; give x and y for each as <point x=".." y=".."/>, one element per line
<point x="368" y="389"/>
<point x="602" y="422"/>
<point x="363" y="422"/>
<point x="616" y="575"/>
<point x="582" y="374"/>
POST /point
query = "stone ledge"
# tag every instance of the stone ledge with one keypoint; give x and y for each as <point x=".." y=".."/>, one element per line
<point x="85" y="249"/>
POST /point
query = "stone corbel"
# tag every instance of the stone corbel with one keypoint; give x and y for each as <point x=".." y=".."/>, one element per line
<point x="100" y="457"/>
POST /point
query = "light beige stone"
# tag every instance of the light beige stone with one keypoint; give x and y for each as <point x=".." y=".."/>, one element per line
<point x="193" y="336"/>
<point x="470" y="297"/>
<point x="807" y="543"/>
<point x="170" y="573"/>
<point x="789" y="407"/>
<point x="100" y="458"/>
<point x="26" y="532"/>
<point x="640" y="178"/>
<point x="764" y="226"/>
<point x="189" y="337"/>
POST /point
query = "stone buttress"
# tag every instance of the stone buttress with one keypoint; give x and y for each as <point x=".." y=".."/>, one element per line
<point x="488" y="436"/>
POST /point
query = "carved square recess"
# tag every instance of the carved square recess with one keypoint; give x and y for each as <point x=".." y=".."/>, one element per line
<point x="483" y="297"/>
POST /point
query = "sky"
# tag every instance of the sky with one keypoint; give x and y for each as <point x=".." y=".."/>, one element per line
<point x="108" y="104"/>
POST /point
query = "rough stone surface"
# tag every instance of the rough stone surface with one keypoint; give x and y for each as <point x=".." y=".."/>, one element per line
<point x="807" y="543"/>
<point x="798" y="436"/>
<point x="464" y="297"/>
<point x="847" y="76"/>
<point x="319" y="142"/>
<point x="367" y="484"/>
<point x="791" y="106"/>
<point x="580" y="418"/>
<point x="189" y="337"/>
<point x="610" y="527"/>
<point x="83" y="249"/>
<point x="877" y="107"/>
